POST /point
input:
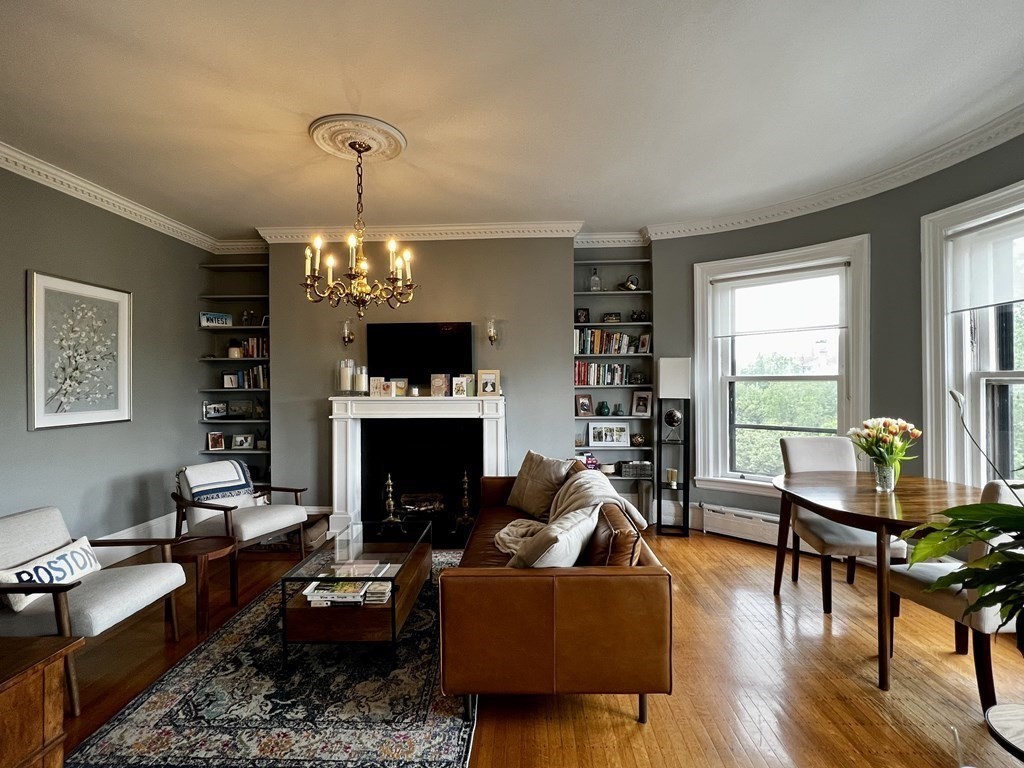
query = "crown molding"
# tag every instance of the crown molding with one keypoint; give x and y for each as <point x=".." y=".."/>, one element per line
<point x="227" y="247"/>
<point x="993" y="133"/>
<point x="24" y="164"/>
<point x="503" y="230"/>
<point x="610" y="240"/>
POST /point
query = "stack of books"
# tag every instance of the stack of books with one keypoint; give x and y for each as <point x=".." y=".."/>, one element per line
<point x="378" y="592"/>
<point x="321" y="594"/>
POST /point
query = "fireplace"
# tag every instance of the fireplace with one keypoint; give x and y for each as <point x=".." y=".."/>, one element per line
<point x="419" y="417"/>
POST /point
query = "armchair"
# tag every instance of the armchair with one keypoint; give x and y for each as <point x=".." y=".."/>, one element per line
<point x="218" y="499"/>
<point x="39" y="558"/>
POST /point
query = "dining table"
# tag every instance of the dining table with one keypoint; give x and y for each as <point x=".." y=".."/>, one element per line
<point x="851" y="498"/>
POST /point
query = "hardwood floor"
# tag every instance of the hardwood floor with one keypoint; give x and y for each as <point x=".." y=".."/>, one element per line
<point x="758" y="681"/>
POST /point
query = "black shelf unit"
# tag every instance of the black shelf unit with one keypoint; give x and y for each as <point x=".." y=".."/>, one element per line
<point x="683" y="484"/>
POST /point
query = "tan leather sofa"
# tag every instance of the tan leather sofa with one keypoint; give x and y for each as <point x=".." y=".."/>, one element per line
<point x="584" y="629"/>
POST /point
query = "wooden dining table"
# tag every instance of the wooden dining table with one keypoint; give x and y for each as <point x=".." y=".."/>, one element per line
<point x="850" y="498"/>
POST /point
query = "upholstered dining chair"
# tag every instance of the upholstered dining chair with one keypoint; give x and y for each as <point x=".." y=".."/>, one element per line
<point x="911" y="582"/>
<point x="218" y="499"/>
<point x="39" y="560"/>
<point x="828" y="538"/>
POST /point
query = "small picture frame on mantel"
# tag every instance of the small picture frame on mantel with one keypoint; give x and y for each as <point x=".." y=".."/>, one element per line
<point x="488" y="383"/>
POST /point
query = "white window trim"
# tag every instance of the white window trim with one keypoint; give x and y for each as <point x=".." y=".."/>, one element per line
<point x="712" y="412"/>
<point x="950" y="455"/>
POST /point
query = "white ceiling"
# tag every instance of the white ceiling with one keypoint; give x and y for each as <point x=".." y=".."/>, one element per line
<point x="619" y="114"/>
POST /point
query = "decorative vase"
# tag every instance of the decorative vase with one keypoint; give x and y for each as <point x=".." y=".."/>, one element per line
<point x="603" y="409"/>
<point x="885" y="477"/>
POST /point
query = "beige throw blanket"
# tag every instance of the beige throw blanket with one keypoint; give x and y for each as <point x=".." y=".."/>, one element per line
<point x="584" y="490"/>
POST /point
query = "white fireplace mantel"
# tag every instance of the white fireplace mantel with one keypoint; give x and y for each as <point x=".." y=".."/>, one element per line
<point x="347" y="414"/>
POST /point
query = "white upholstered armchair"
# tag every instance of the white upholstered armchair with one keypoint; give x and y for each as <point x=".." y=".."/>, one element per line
<point x="218" y="499"/>
<point x="53" y="585"/>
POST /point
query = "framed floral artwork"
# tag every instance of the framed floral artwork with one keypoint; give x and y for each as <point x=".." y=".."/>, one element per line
<point x="80" y="353"/>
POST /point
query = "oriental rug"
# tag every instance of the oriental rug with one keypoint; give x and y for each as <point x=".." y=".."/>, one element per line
<point x="230" y="702"/>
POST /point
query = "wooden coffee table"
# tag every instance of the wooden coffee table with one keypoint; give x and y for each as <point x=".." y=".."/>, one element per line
<point x="201" y="550"/>
<point x="406" y="553"/>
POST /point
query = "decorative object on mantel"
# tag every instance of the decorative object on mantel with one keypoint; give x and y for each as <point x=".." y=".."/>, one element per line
<point x="348" y="136"/>
<point x="885" y="441"/>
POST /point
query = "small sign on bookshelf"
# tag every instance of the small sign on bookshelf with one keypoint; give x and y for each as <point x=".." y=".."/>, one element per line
<point x="214" y="319"/>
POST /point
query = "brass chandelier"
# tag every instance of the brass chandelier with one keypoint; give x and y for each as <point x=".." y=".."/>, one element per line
<point x="353" y="286"/>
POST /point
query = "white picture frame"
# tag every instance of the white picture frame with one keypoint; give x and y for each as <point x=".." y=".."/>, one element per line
<point x="608" y="434"/>
<point x="70" y="322"/>
<point x="641" y="405"/>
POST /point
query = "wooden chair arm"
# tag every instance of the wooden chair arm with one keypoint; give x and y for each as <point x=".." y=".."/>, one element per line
<point x="183" y="502"/>
<point x="283" y="489"/>
<point x="35" y="588"/>
<point x="134" y="542"/>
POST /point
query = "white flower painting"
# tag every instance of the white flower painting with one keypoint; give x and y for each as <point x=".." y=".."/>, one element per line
<point x="81" y="345"/>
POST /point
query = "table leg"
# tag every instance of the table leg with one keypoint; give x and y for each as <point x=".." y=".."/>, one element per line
<point x="202" y="595"/>
<point x="882" y="579"/>
<point x="785" y="512"/>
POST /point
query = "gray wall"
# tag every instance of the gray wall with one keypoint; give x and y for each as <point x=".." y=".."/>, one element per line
<point x="526" y="284"/>
<point x="893" y="220"/>
<point x="104" y="477"/>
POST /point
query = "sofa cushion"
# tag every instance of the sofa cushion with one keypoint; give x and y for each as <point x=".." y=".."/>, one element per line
<point x="616" y="540"/>
<point x="480" y="551"/>
<point x="559" y="544"/>
<point x="62" y="566"/>
<point x="537" y="483"/>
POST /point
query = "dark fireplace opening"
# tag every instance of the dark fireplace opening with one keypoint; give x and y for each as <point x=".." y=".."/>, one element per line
<point x="426" y="459"/>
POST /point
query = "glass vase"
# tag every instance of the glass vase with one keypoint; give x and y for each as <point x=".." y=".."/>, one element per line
<point x="885" y="478"/>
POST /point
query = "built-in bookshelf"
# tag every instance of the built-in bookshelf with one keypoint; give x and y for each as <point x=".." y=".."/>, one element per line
<point x="234" y="393"/>
<point x="613" y="359"/>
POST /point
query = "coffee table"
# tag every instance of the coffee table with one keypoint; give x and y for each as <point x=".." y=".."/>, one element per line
<point x="403" y="556"/>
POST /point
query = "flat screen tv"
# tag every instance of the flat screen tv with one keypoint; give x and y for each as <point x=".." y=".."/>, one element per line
<point x="413" y="351"/>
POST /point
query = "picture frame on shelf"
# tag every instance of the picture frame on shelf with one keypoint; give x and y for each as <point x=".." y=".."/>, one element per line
<point x="611" y="317"/>
<point x="265" y="322"/>
<point x="80" y="353"/>
<point x="582" y="315"/>
<point x="607" y="435"/>
<point x="489" y="383"/>
<point x="214" y="410"/>
<point x="243" y="442"/>
<point x="215" y="441"/>
<point x="470" y="384"/>
<point x="458" y="386"/>
<point x="229" y="380"/>
<point x="440" y="384"/>
<point x="376" y="386"/>
<point x="240" y="409"/>
<point x="401" y="387"/>
<point x="645" y="344"/>
<point x="642" y="404"/>
<point x="584" y="405"/>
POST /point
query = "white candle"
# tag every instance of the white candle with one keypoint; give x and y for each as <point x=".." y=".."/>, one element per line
<point x="351" y="253"/>
<point x="396" y="268"/>
<point x="408" y="265"/>
<point x="317" y="243"/>
<point x="330" y="270"/>
<point x="392" y="247"/>
<point x="309" y="255"/>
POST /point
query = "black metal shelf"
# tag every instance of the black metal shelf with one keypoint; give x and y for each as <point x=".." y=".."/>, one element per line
<point x="683" y="485"/>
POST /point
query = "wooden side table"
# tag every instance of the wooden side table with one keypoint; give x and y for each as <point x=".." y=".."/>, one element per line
<point x="201" y="550"/>
<point x="32" y="699"/>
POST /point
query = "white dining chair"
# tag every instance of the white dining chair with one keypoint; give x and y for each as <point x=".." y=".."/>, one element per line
<point x="829" y="539"/>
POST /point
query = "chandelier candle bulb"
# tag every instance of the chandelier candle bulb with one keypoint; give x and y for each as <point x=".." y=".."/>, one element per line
<point x="309" y="256"/>
<point x="330" y="269"/>
<point x="351" y="253"/>
<point x="408" y="266"/>
<point x="318" y="244"/>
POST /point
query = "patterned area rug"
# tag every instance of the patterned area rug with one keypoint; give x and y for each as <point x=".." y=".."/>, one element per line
<point x="229" y="703"/>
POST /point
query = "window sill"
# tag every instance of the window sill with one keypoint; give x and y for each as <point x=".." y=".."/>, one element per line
<point x="751" y="487"/>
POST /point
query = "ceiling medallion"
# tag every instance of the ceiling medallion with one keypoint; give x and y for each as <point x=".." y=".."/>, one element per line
<point x="335" y="135"/>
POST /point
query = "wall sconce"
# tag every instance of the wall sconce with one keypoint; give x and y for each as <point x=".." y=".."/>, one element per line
<point x="492" y="330"/>
<point x="347" y="334"/>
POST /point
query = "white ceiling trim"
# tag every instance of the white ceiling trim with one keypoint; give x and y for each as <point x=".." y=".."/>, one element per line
<point x="440" y="232"/>
<point x="993" y="133"/>
<point x="226" y="247"/>
<point x="30" y="167"/>
<point x="610" y="240"/>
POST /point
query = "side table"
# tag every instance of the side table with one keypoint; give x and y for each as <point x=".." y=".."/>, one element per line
<point x="32" y="699"/>
<point x="1006" y="724"/>
<point x="201" y="551"/>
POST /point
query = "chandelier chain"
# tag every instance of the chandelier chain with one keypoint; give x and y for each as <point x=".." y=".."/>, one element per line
<point x="359" y="195"/>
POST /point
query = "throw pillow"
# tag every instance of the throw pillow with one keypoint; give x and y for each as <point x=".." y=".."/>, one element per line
<point x="616" y="540"/>
<point x="62" y="566"/>
<point x="537" y="483"/>
<point x="559" y="544"/>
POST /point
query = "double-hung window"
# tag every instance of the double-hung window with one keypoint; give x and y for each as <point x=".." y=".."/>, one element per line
<point x="973" y="275"/>
<point x="781" y="350"/>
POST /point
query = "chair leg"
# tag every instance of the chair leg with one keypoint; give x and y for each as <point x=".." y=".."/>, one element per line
<point x="642" y="718"/>
<point x="171" y="616"/>
<point x="851" y="569"/>
<point x="302" y="544"/>
<point x="62" y="615"/>
<point x="894" y="605"/>
<point x="233" y="569"/>
<point x="983" y="669"/>
<point x="826" y="583"/>
<point x="796" y="558"/>
<point x="960" y="632"/>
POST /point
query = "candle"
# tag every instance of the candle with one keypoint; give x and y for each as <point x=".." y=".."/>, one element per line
<point x="396" y="268"/>
<point x="408" y="265"/>
<point x="330" y="269"/>
<point x="392" y="247"/>
<point x="352" y="253"/>
<point x="309" y="255"/>
<point x="317" y="243"/>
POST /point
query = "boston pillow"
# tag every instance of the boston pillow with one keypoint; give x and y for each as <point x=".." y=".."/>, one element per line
<point x="537" y="483"/>
<point x="62" y="566"/>
<point x="559" y="544"/>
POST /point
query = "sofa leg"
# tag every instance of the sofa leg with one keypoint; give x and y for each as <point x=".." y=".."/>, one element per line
<point x="642" y="718"/>
<point x="469" y="705"/>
